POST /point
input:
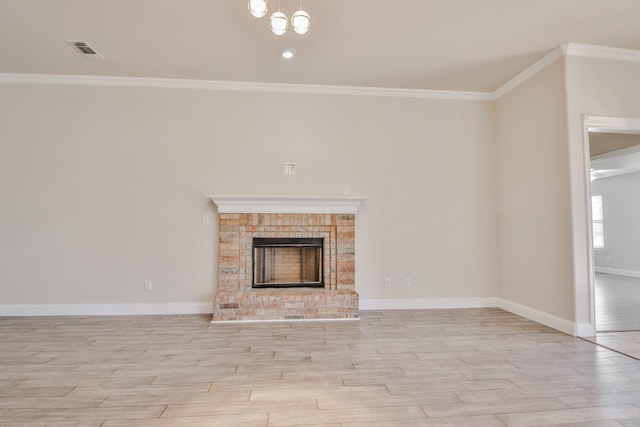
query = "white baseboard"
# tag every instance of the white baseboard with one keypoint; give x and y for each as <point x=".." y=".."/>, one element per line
<point x="558" y="323"/>
<point x="585" y="330"/>
<point x="104" y="309"/>
<point x="618" y="271"/>
<point x="425" y="303"/>
<point x="533" y="314"/>
<point x="554" y="322"/>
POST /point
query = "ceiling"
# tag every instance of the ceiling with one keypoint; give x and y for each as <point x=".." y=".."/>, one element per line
<point x="614" y="154"/>
<point x="467" y="45"/>
<point x="602" y="143"/>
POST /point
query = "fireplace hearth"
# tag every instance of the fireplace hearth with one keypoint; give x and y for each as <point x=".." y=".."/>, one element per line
<point x="283" y="258"/>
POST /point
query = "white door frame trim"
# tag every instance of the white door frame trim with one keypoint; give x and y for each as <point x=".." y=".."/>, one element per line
<point x="585" y="292"/>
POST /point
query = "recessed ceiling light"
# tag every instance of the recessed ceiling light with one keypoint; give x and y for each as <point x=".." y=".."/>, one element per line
<point x="287" y="53"/>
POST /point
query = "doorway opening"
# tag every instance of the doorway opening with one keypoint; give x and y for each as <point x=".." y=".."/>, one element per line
<point x="614" y="232"/>
<point x="615" y="227"/>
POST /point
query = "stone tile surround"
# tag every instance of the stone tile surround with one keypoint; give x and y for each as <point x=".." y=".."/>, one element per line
<point x="235" y="298"/>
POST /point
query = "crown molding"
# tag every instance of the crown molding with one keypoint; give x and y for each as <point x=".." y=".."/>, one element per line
<point x="569" y="49"/>
<point x="602" y="52"/>
<point x="529" y="72"/>
<point x="153" y="82"/>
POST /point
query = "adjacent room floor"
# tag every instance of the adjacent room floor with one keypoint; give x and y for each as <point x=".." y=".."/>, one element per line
<point x="618" y="313"/>
<point x="480" y="367"/>
<point x="617" y="303"/>
<point x="624" y="342"/>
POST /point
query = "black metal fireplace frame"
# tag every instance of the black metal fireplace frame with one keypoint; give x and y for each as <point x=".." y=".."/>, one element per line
<point x="295" y="242"/>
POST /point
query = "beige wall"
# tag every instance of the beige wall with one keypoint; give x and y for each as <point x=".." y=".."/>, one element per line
<point x="542" y="231"/>
<point x="103" y="188"/>
<point x="534" y="230"/>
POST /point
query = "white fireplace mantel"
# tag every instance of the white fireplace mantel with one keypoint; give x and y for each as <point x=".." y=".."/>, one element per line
<point x="287" y="204"/>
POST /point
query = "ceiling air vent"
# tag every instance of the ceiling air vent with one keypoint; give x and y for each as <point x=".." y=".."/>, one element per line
<point x="84" y="49"/>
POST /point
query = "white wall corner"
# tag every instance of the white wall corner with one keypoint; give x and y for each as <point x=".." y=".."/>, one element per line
<point x="554" y="322"/>
<point x="425" y="303"/>
<point x="22" y="310"/>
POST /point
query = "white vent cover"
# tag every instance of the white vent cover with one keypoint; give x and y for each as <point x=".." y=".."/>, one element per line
<point x="289" y="168"/>
<point x="85" y="49"/>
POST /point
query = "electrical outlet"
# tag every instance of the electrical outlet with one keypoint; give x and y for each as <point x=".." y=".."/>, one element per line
<point x="205" y="220"/>
<point x="387" y="283"/>
<point x="407" y="282"/>
<point x="148" y="285"/>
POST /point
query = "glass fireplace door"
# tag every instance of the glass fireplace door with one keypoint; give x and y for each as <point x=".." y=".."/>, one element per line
<point x="287" y="262"/>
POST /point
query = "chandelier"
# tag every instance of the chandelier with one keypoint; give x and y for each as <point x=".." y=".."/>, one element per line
<point x="278" y="21"/>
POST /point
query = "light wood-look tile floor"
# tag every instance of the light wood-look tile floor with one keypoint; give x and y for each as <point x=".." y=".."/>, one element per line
<point x="617" y="301"/>
<point x="480" y="367"/>
<point x="626" y="342"/>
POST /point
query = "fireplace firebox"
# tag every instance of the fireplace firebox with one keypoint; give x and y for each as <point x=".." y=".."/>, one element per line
<point x="289" y="262"/>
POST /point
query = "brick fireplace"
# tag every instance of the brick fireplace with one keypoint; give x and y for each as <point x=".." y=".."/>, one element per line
<point x="327" y="219"/>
